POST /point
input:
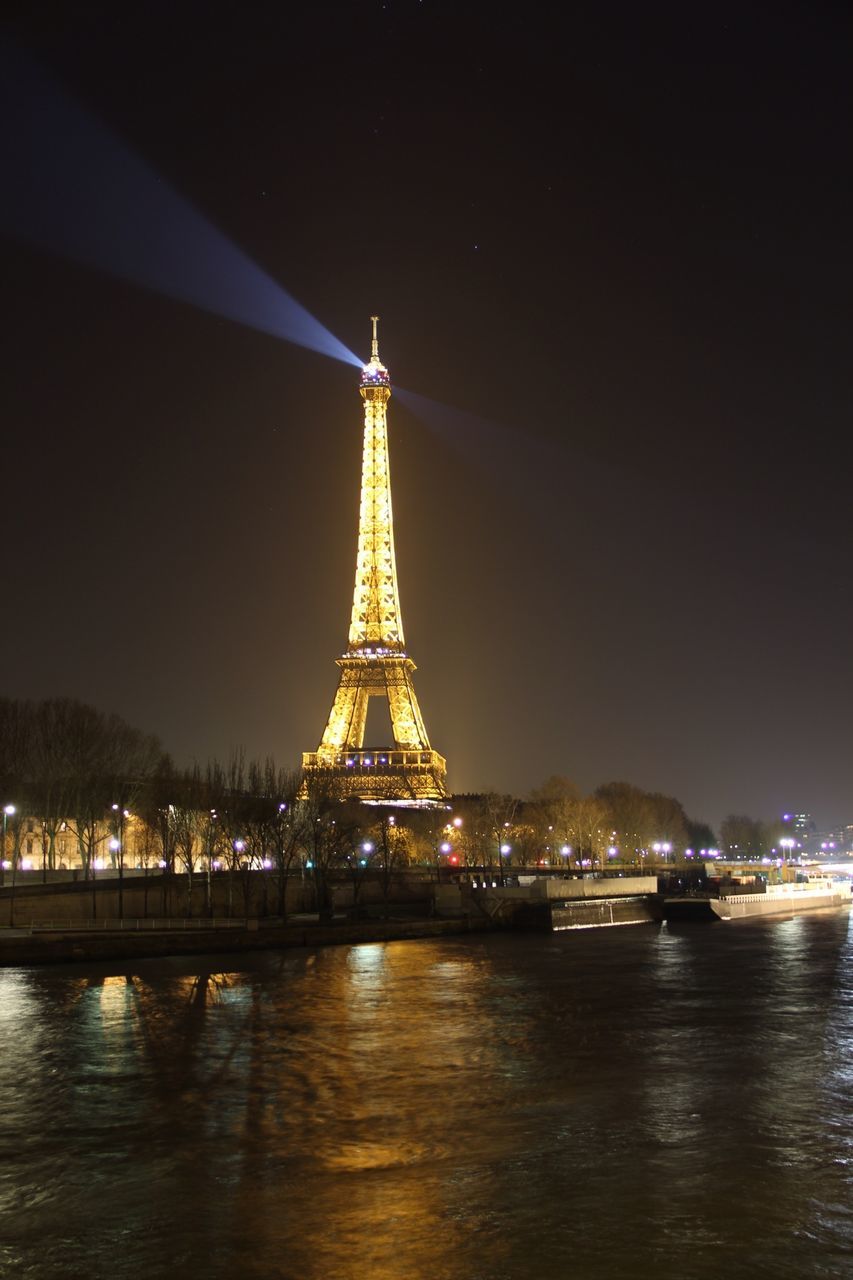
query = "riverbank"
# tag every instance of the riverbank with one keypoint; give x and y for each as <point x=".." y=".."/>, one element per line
<point x="38" y="947"/>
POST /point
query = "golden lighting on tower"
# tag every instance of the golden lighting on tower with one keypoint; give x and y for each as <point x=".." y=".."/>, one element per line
<point x="376" y="663"/>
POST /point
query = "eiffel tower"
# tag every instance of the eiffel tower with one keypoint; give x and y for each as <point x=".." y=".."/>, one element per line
<point x="376" y="664"/>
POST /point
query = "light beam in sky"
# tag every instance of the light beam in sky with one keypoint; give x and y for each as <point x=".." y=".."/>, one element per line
<point x="72" y="187"/>
<point x="467" y="431"/>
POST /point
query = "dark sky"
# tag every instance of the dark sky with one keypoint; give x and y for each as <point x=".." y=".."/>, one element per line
<point x="611" y="242"/>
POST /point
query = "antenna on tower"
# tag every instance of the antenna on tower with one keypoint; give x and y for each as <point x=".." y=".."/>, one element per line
<point x="374" y="350"/>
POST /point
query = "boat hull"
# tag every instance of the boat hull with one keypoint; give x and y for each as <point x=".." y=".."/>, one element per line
<point x="780" y="900"/>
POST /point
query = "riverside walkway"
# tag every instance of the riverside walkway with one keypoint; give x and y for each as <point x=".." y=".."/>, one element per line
<point x="55" y="942"/>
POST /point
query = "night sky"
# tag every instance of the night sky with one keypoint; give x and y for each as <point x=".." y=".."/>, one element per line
<point x="609" y="243"/>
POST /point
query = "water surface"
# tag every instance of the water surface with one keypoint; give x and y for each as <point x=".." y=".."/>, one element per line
<point x="625" y="1102"/>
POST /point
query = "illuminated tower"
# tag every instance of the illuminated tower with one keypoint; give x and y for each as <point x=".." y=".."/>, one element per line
<point x="376" y="663"/>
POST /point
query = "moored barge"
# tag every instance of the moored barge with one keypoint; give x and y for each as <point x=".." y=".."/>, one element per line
<point x="774" y="900"/>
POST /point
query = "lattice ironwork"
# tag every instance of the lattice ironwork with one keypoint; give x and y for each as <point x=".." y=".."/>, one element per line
<point x="376" y="664"/>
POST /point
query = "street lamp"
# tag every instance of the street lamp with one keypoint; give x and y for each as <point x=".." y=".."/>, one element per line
<point x="8" y="810"/>
<point x="211" y="865"/>
<point x="505" y="851"/>
<point x="787" y="843"/>
<point x="117" y="847"/>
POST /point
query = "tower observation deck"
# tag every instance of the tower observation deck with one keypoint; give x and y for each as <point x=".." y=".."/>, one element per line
<point x="376" y="663"/>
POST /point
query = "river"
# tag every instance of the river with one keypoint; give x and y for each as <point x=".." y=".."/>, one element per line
<point x="629" y="1102"/>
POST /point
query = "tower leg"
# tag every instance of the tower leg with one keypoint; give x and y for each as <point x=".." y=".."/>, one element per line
<point x="406" y="721"/>
<point x="345" y="727"/>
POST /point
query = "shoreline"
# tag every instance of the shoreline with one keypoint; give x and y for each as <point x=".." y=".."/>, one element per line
<point x="27" y="949"/>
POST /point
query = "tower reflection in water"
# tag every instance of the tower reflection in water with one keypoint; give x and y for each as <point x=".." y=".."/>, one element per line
<point x="602" y="1106"/>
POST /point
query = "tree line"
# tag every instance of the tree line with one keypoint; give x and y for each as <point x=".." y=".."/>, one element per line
<point x="91" y="776"/>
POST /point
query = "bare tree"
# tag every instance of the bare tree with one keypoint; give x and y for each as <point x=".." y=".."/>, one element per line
<point x="328" y="836"/>
<point x="226" y="786"/>
<point x="189" y="820"/>
<point x="631" y="817"/>
<point x="557" y="803"/>
<point x="389" y="851"/>
<point x="156" y="807"/>
<point x="593" y="831"/>
<point x="15" y="748"/>
<point x="285" y="825"/>
<point x="744" y="837"/>
<point x="51" y="771"/>
<point x="499" y="811"/>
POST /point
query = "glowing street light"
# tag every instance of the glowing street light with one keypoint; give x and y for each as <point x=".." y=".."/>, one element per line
<point x="8" y="810"/>
<point x="117" y="847"/>
<point x="787" y="843"/>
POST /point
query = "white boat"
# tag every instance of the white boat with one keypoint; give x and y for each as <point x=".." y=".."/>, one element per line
<point x="775" y="900"/>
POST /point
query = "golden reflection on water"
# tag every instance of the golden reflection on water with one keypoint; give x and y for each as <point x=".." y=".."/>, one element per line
<point x="372" y="1193"/>
<point x="463" y="1110"/>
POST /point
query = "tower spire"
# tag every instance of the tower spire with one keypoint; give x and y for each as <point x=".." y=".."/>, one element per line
<point x="374" y="372"/>
<point x="376" y="663"/>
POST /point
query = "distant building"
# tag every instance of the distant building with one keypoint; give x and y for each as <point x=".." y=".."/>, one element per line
<point x="29" y="846"/>
<point x="802" y="828"/>
<point x="838" y="840"/>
